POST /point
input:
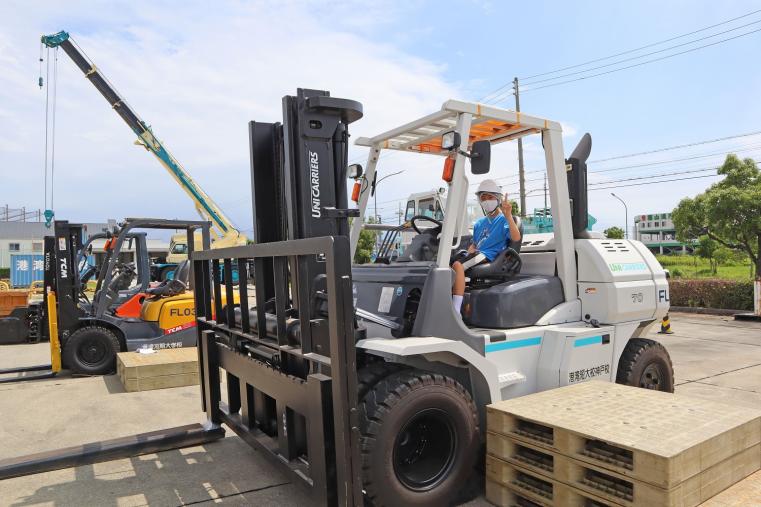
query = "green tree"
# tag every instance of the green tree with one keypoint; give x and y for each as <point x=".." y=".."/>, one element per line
<point x="365" y="244"/>
<point x="713" y="252"/>
<point x="614" y="233"/>
<point x="728" y="212"/>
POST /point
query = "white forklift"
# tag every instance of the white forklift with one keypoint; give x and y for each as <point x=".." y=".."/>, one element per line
<point x="559" y="308"/>
<point x="362" y="381"/>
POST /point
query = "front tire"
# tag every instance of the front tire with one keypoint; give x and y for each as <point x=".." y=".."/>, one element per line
<point x="91" y="350"/>
<point x="420" y="439"/>
<point x="646" y="364"/>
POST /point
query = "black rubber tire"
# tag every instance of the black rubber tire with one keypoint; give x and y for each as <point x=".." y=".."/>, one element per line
<point x="647" y="364"/>
<point x="91" y="350"/>
<point x="435" y="405"/>
<point x="371" y="374"/>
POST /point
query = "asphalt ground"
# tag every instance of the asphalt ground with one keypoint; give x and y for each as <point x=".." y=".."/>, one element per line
<point x="715" y="358"/>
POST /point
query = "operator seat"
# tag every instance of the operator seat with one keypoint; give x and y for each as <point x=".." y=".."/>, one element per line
<point x="177" y="285"/>
<point x="503" y="266"/>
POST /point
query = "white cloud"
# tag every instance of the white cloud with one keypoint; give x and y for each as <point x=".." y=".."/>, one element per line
<point x="197" y="75"/>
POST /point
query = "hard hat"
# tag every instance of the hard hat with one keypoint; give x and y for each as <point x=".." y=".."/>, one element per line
<point x="489" y="187"/>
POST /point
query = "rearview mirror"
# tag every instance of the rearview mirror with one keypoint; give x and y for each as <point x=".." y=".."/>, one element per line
<point x="354" y="171"/>
<point x="480" y="157"/>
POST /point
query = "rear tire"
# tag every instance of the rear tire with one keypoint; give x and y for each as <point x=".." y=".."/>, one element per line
<point x="91" y="350"/>
<point x="420" y="439"/>
<point x="646" y="364"/>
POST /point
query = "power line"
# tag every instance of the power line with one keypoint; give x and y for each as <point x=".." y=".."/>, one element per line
<point x="676" y="147"/>
<point x="656" y="182"/>
<point x="661" y="162"/>
<point x="498" y="95"/>
<point x="642" y="63"/>
<point x="640" y="56"/>
<point x="641" y="47"/>
<point x="629" y="155"/>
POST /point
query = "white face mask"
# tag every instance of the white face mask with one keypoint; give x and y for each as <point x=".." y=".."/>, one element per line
<point x="489" y="205"/>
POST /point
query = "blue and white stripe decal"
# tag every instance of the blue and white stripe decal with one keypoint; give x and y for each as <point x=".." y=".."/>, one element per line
<point x="583" y="342"/>
<point x="515" y="344"/>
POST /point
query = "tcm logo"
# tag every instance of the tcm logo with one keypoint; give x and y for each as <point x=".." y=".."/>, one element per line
<point x="64" y="268"/>
<point x="314" y="173"/>
<point x="182" y="312"/>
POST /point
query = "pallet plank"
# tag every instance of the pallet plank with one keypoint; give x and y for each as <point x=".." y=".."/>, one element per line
<point x="616" y="487"/>
<point x="655" y="437"/>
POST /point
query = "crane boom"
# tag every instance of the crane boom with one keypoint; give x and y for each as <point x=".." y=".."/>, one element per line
<point x="222" y="227"/>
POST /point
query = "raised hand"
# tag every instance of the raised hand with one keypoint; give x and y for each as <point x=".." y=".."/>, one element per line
<point x="507" y="207"/>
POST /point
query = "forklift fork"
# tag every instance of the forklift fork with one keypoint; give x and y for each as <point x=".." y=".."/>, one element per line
<point x="47" y="370"/>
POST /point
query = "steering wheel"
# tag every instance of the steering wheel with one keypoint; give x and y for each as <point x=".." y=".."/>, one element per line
<point x="429" y="219"/>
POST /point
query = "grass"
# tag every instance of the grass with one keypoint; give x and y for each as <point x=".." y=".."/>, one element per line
<point x="691" y="266"/>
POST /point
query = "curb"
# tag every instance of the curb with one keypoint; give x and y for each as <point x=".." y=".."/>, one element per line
<point x="705" y="311"/>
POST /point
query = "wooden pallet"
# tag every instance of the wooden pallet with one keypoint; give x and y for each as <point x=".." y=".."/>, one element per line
<point x="654" y="437"/>
<point x="616" y="487"/>
<point x="12" y="299"/>
<point x="508" y="485"/>
<point x="163" y="369"/>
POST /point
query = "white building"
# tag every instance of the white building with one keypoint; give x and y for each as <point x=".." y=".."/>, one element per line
<point x="658" y="233"/>
<point x="28" y="238"/>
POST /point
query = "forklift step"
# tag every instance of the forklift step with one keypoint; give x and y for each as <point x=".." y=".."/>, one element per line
<point x="107" y="450"/>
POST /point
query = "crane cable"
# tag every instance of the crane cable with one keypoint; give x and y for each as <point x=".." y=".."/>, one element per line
<point x="49" y="128"/>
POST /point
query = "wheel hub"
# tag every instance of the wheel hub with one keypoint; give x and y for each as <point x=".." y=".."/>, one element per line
<point x="424" y="450"/>
<point x="652" y="377"/>
<point x="92" y="352"/>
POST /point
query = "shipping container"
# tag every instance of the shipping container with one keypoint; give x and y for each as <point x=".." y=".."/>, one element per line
<point x="26" y="268"/>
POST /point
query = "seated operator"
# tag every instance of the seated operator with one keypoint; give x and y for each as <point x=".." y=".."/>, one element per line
<point x="492" y="234"/>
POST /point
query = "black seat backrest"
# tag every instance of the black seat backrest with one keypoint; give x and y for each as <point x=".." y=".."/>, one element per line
<point x="516" y="245"/>
<point x="182" y="272"/>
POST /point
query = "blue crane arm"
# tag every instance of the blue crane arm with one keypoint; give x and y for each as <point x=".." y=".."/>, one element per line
<point x="205" y="205"/>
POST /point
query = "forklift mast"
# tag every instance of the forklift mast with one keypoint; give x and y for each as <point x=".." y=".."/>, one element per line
<point x="290" y="362"/>
<point x="61" y="271"/>
<point x="298" y="182"/>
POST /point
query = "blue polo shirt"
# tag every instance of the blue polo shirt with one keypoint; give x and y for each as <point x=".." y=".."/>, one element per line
<point x="491" y="235"/>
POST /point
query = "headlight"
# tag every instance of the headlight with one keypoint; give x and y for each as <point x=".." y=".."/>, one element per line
<point x="450" y="141"/>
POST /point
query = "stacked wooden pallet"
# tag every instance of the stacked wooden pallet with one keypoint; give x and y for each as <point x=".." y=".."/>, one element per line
<point x="164" y="368"/>
<point x="601" y="444"/>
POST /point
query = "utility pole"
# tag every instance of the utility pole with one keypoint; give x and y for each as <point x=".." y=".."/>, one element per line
<point x="375" y="191"/>
<point x="521" y="174"/>
<point x="626" y="211"/>
<point x="545" y="194"/>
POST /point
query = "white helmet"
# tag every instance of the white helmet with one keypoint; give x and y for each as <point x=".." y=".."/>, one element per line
<point x="489" y="187"/>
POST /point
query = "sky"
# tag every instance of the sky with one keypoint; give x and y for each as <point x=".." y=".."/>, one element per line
<point x="197" y="72"/>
